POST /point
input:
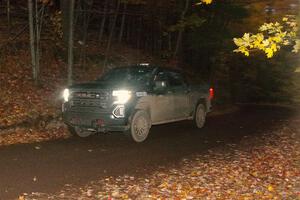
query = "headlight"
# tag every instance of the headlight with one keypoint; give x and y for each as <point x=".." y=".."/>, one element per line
<point x="66" y="95"/>
<point x="122" y="96"/>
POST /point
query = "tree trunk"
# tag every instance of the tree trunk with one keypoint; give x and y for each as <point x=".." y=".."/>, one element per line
<point x="128" y="29"/>
<point x="103" y="21"/>
<point x="138" y="44"/>
<point x="269" y="11"/>
<point x="86" y="20"/>
<point x="159" y="39"/>
<point x="179" y="38"/>
<point x="8" y="15"/>
<point x="83" y="34"/>
<point x="111" y="34"/>
<point x="70" y="42"/>
<point x="65" y="8"/>
<point x="32" y="40"/>
<point x="170" y="42"/>
<point x="123" y="23"/>
<point x="37" y="41"/>
<point x="77" y="12"/>
<point x="86" y="31"/>
<point x="298" y="34"/>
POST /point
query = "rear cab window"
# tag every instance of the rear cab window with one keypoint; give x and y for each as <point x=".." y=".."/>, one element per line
<point x="176" y="80"/>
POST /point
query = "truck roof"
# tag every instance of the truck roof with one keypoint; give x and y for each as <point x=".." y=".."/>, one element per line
<point x="151" y="66"/>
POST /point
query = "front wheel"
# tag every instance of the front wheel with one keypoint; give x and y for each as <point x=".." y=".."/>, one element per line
<point x="140" y="125"/>
<point x="200" y="116"/>
<point x="79" y="132"/>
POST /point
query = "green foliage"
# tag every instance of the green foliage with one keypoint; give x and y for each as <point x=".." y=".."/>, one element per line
<point x="262" y="79"/>
<point x="193" y="21"/>
<point x="205" y="43"/>
<point x="296" y="88"/>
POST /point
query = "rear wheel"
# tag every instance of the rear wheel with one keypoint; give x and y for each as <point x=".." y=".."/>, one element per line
<point x="79" y="132"/>
<point x="140" y="125"/>
<point x="200" y="116"/>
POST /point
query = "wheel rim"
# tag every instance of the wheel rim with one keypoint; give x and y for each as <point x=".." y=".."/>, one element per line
<point x="82" y="133"/>
<point x="140" y="128"/>
<point x="200" y="117"/>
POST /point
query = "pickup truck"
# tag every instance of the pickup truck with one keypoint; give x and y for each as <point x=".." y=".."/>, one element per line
<point x="133" y="98"/>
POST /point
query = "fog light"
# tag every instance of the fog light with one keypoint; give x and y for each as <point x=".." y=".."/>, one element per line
<point x="119" y="111"/>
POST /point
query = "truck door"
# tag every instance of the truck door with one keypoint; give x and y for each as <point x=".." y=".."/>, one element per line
<point x="180" y="92"/>
<point x="162" y="105"/>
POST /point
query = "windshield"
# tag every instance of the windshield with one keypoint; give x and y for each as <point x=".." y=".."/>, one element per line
<point x="132" y="74"/>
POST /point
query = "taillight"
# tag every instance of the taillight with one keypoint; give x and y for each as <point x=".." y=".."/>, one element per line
<point x="211" y="93"/>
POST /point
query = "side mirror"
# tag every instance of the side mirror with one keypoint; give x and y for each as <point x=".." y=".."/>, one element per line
<point x="160" y="86"/>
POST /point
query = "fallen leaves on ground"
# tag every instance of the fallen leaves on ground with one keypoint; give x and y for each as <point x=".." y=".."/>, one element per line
<point x="32" y="135"/>
<point x="261" y="167"/>
<point x="21" y="100"/>
<point x="24" y="103"/>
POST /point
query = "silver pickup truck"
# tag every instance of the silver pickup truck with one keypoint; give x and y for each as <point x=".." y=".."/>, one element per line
<point x="132" y="99"/>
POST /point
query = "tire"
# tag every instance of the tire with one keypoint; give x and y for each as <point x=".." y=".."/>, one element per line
<point x="200" y="116"/>
<point x="79" y="132"/>
<point x="140" y="125"/>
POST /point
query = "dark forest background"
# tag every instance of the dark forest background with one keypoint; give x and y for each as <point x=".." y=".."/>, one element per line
<point x="174" y="33"/>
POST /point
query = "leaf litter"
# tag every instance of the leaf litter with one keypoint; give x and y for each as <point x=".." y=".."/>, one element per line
<point x="266" y="166"/>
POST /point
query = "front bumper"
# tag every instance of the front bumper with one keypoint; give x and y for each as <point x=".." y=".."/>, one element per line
<point x="99" y="122"/>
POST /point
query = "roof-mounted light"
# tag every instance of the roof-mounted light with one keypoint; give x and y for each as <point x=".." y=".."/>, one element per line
<point x="144" y="64"/>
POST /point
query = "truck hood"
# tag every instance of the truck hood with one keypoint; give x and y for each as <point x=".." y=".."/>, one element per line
<point x="100" y="85"/>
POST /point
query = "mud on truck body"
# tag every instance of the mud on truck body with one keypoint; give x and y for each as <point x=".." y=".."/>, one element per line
<point x="132" y="99"/>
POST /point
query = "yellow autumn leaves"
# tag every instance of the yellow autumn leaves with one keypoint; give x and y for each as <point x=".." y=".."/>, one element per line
<point x="204" y="2"/>
<point x="270" y="38"/>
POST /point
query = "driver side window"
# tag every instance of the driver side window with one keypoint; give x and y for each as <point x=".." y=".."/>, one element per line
<point x="161" y="76"/>
<point x="176" y="80"/>
<point x="161" y="82"/>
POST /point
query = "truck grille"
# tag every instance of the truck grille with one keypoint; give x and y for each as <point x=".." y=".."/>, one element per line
<point x="88" y="103"/>
<point x="91" y="95"/>
<point x="90" y="99"/>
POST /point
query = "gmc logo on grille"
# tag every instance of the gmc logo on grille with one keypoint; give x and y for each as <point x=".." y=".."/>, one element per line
<point x="83" y="94"/>
<point x="102" y="96"/>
